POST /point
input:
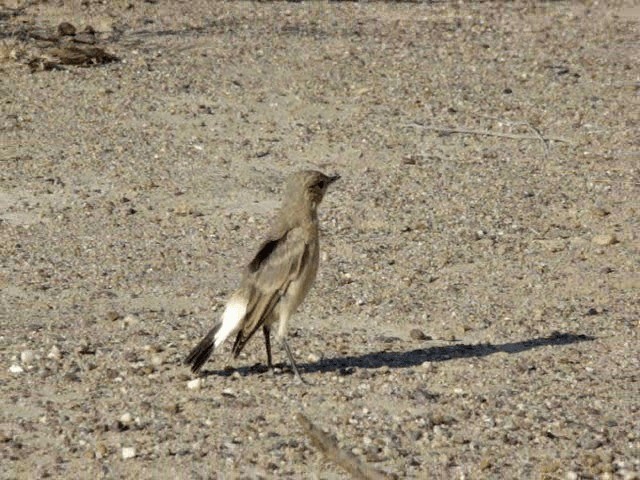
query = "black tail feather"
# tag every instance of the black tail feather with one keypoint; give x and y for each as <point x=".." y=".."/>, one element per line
<point x="201" y="353"/>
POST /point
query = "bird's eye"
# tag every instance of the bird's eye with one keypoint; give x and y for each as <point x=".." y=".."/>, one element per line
<point x="321" y="184"/>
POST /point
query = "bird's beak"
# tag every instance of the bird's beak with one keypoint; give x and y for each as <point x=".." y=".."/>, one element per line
<point x="333" y="178"/>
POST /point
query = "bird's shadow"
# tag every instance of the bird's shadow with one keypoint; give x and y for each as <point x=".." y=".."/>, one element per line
<point x="412" y="358"/>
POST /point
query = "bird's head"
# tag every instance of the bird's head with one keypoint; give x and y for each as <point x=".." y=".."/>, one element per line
<point x="309" y="186"/>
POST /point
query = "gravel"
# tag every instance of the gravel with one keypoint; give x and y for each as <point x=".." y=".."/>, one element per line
<point x="476" y="311"/>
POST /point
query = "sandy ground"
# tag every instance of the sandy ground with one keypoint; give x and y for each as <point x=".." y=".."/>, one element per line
<point x="476" y="313"/>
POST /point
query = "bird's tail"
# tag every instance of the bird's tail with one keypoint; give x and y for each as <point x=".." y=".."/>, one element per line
<point x="201" y="353"/>
<point x="231" y="318"/>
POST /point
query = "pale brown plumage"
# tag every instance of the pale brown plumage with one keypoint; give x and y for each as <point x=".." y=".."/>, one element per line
<point x="278" y="278"/>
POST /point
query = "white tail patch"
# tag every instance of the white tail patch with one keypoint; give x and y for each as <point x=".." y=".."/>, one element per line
<point x="233" y="314"/>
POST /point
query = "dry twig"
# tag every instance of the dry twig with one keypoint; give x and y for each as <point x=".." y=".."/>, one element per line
<point x="330" y="450"/>
<point x="487" y="133"/>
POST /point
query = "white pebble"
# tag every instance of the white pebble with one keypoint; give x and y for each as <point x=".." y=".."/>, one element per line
<point x="128" y="452"/>
<point x="27" y="356"/>
<point x="427" y="366"/>
<point x="130" y="319"/>
<point x="126" y="418"/>
<point x="156" y="360"/>
<point x="313" y="358"/>
<point x="227" y="392"/>
<point x="16" y="369"/>
<point x="195" y="384"/>
<point x="54" y="353"/>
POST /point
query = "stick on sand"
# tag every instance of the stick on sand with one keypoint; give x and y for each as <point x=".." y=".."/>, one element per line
<point x="330" y="450"/>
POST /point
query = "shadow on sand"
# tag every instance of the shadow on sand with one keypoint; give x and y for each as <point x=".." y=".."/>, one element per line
<point x="416" y="357"/>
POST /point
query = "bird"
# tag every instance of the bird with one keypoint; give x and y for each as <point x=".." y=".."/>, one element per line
<point x="277" y="279"/>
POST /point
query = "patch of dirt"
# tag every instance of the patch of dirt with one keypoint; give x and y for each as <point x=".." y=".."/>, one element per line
<point x="476" y="313"/>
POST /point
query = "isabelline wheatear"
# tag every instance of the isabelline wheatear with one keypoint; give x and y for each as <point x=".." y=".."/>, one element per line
<point x="278" y="278"/>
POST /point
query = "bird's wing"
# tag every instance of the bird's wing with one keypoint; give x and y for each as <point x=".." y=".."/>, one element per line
<point x="269" y="274"/>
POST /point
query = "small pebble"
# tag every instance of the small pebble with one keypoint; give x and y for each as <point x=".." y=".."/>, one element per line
<point x="553" y="245"/>
<point x="600" y="211"/>
<point x="227" y="392"/>
<point x="86" y="348"/>
<point x="156" y="360"/>
<point x="605" y="240"/>
<point x="128" y="452"/>
<point x="418" y="334"/>
<point x="16" y="369"/>
<point x="126" y="418"/>
<point x="183" y="209"/>
<point x="427" y="366"/>
<point x="172" y="408"/>
<point x="54" y="353"/>
<point x="71" y="377"/>
<point x="101" y="451"/>
<point x="66" y="29"/>
<point x="27" y="356"/>
<point x="129" y="320"/>
<point x="313" y="357"/>
<point x="195" y="384"/>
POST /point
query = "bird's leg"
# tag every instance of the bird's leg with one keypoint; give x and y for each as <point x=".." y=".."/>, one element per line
<point x="267" y="343"/>
<point x="296" y="373"/>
